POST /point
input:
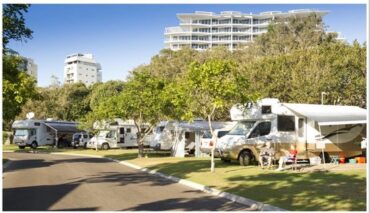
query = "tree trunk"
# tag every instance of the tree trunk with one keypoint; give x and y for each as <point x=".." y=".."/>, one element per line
<point x="213" y="138"/>
<point x="140" y="146"/>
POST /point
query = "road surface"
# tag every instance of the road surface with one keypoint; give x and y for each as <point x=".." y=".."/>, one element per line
<point x="36" y="181"/>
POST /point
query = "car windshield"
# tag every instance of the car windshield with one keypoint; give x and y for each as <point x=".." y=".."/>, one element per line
<point x="207" y="134"/>
<point x="21" y="132"/>
<point x="242" y="128"/>
<point x="102" y="134"/>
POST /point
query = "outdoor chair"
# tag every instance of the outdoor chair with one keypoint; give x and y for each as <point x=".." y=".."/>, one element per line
<point x="265" y="162"/>
<point x="334" y="159"/>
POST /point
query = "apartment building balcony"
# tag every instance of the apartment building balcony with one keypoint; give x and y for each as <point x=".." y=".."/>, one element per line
<point x="187" y="41"/>
<point x="221" y="41"/>
<point x="175" y="30"/>
<point x="189" y="23"/>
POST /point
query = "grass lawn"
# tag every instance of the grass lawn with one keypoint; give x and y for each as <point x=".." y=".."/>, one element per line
<point x="317" y="191"/>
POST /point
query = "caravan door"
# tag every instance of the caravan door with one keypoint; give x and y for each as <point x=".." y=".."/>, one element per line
<point x="121" y="139"/>
<point x="130" y="136"/>
<point x="302" y="145"/>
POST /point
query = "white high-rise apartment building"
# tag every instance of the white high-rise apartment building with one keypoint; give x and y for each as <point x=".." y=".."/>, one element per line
<point x="82" y="68"/>
<point x="203" y="30"/>
<point x="28" y="65"/>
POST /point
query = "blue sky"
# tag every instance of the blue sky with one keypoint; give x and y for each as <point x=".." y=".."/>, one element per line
<point x="122" y="37"/>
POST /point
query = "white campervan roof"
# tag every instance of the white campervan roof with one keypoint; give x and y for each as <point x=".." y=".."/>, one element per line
<point x="330" y="114"/>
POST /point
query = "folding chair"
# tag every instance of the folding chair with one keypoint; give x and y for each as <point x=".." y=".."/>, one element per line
<point x="334" y="159"/>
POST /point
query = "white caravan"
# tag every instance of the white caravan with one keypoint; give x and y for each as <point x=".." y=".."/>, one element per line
<point x="316" y="130"/>
<point x="36" y="133"/>
<point x="119" y="134"/>
<point x="182" y="137"/>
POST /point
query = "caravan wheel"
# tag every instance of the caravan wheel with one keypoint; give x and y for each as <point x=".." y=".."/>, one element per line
<point x="34" y="145"/>
<point x="245" y="158"/>
<point x="105" y="146"/>
<point x="21" y="147"/>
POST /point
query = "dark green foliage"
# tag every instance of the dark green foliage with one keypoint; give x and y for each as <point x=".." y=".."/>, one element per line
<point x="14" y="27"/>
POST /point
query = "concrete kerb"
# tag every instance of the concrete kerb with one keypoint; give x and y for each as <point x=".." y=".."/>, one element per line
<point x="235" y="198"/>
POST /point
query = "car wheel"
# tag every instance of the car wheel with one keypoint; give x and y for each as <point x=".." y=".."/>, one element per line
<point x="105" y="146"/>
<point x="245" y="158"/>
<point x="34" y="145"/>
<point x="21" y="147"/>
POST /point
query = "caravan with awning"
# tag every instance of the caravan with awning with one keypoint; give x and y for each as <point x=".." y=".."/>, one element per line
<point x="36" y="133"/>
<point x="316" y="130"/>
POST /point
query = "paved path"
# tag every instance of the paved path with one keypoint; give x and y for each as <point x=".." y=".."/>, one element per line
<point x="56" y="182"/>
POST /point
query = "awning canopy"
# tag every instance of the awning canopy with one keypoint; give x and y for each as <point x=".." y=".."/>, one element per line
<point x="66" y="127"/>
<point x="330" y="114"/>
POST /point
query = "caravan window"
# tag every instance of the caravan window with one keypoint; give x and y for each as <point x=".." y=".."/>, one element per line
<point x="266" y="109"/>
<point x="242" y="128"/>
<point x="261" y="129"/>
<point x="187" y="135"/>
<point x="32" y="132"/>
<point x="286" y="123"/>
<point x="128" y="130"/>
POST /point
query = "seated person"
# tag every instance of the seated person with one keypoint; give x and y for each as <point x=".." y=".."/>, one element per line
<point x="266" y="154"/>
<point x="290" y="157"/>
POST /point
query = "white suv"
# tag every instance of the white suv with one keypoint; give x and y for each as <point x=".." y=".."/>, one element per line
<point x="206" y="142"/>
<point x="80" y="139"/>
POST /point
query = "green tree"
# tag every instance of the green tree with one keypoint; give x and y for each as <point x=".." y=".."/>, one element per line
<point x="18" y="87"/>
<point x="208" y="89"/>
<point x="73" y="101"/>
<point x="14" y="27"/>
<point x="140" y="100"/>
<point x="301" y="75"/>
<point x="291" y="33"/>
<point x="101" y="91"/>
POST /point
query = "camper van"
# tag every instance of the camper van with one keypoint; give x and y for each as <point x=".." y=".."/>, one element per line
<point x="120" y="134"/>
<point x="36" y="133"/>
<point x="182" y="137"/>
<point x="316" y="130"/>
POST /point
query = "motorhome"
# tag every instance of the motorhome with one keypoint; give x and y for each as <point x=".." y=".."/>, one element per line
<point x="182" y="137"/>
<point x="316" y="130"/>
<point x="118" y="134"/>
<point x="36" y="133"/>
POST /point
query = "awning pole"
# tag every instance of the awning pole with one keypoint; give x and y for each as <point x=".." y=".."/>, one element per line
<point x="56" y="138"/>
<point x="322" y="147"/>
